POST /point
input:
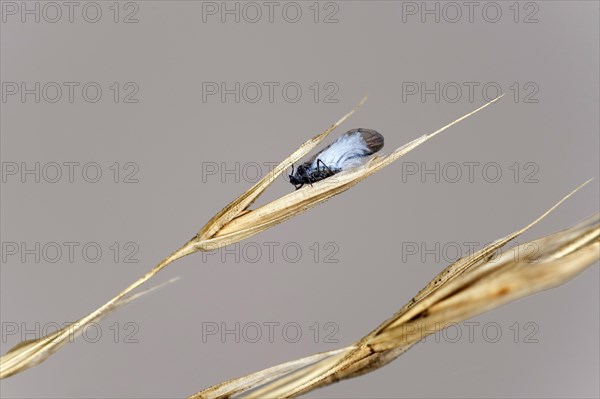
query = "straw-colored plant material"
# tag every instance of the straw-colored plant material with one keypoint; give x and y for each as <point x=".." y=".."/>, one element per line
<point x="232" y="224"/>
<point x="35" y="351"/>
<point x="468" y="287"/>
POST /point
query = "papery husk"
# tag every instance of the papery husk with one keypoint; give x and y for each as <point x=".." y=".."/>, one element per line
<point x="470" y="286"/>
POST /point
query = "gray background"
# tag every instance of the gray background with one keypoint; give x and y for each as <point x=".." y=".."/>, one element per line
<point x="171" y="134"/>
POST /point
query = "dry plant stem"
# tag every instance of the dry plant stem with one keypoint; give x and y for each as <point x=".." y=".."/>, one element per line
<point x="468" y="287"/>
<point x="251" y="381"/>
<point x="233" y="223"/>
<point x="31" y="352"/>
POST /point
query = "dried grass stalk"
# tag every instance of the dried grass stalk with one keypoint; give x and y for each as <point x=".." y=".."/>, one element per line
<point x="34" y="351"/>
<point x="470" y="286"/>
<point x="232" y="224"/>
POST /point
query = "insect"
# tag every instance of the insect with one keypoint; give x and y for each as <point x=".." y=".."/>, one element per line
<point x="347" y="151"/>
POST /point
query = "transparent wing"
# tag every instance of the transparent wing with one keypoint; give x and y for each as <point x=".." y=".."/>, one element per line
<point x="349" y="149"/>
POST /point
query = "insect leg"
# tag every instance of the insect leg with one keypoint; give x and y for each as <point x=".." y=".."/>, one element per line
<point x="306" y="178"/>
<point x="324" y="166"/>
